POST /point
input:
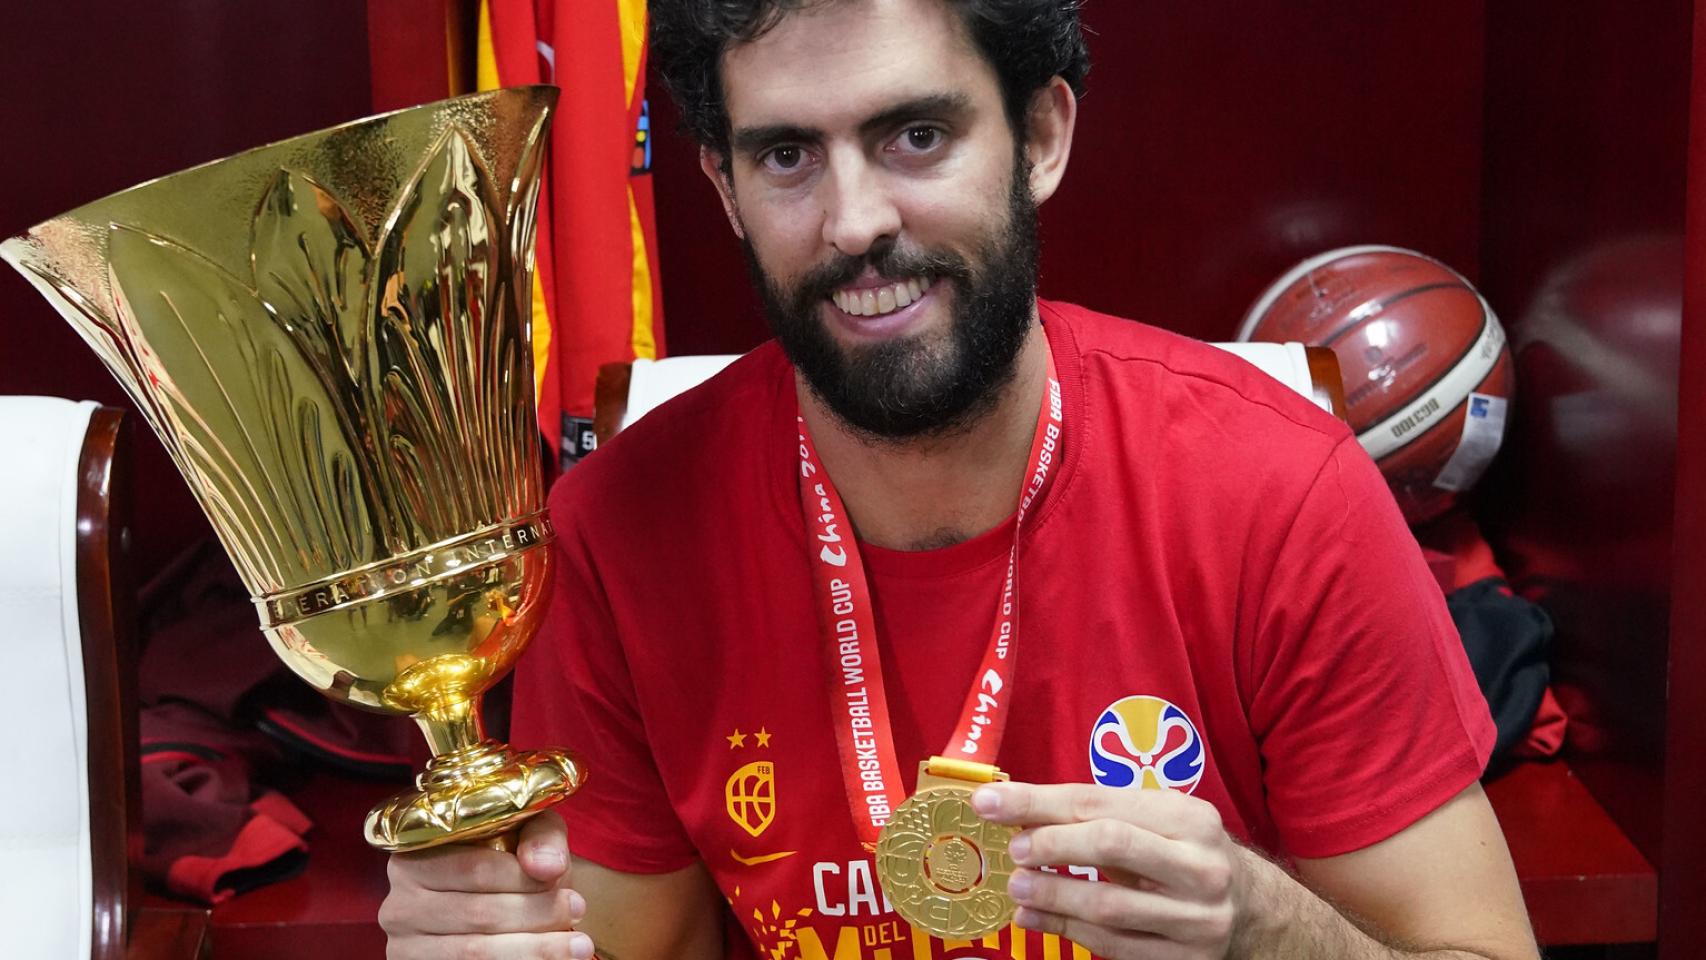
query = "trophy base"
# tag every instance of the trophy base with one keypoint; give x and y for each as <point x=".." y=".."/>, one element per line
<point x="483" y="791"/>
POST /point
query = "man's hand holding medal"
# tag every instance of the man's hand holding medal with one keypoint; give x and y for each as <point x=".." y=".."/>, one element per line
<point x="1172" y="882"/>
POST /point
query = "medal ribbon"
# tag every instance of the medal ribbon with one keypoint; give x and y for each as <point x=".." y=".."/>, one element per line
<point x="843" y="601"/>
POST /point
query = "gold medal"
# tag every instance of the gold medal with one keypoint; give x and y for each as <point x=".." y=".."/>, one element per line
<point x="944" y="868"/>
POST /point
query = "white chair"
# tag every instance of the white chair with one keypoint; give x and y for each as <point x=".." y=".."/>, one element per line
<point x="67" y="722"/>
<point x="1311" y="371"/>
<point x="628" y="391"/>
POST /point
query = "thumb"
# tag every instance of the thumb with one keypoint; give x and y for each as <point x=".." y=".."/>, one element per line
<point x="543" y="849"/>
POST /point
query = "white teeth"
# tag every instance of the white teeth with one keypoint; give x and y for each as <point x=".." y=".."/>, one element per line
<point x="872" y="302"/>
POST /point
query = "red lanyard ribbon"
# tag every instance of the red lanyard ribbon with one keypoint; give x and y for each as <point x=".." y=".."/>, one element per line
<point x="843" y="601"/>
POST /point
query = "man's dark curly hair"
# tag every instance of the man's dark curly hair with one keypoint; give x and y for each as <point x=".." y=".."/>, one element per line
<point x="1027" y="41"/>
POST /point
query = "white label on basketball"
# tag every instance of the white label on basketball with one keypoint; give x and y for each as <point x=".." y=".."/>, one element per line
<point x="1410" y="422"/>
<point x="1483" y="431"/>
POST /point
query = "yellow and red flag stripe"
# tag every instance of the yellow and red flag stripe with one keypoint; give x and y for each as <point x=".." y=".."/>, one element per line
<point x="596" y="293"/>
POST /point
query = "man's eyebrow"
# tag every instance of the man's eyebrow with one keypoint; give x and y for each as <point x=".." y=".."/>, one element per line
<point x="945" y="105"/>
<point x="753" y="140"/>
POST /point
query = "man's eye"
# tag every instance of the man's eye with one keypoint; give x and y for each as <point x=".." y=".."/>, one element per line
<point x="923" y="138"/>
<point x="784" y="158"/>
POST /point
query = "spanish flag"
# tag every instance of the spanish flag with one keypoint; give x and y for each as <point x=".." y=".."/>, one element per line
<point x="595" y="295"/>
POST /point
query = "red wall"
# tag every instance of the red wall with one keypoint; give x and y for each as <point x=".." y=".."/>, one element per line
<point x="1683" y="889"/>
<point x="1219" y="143"/>
<point x="97" y="100"/>
<point x="1586" y="151"/>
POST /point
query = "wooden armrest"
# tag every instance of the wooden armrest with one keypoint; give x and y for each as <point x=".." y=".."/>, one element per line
<point x="106" y="615"/>
<point x="1328" y="380"/>
<point x="610" y="399"/>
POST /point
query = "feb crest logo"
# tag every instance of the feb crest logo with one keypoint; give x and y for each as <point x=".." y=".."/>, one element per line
<point x="1146" y="743"/>
<point x="750" y="796"/>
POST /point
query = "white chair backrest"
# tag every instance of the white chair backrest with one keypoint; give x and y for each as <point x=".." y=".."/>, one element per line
<point x="1286" y="362"/>
<point x="46" y="896"/>
<point x="651" y="382"/>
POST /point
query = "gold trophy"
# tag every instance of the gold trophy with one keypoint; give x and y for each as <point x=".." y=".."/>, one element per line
<point x="331" y="336"/>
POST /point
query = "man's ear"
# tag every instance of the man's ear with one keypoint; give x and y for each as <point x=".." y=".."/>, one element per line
<point x="1048" y="136"/>
<point x="711" y="164"/>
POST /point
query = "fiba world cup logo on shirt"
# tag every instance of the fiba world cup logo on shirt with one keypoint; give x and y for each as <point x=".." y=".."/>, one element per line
<point x="1146" y="743"/>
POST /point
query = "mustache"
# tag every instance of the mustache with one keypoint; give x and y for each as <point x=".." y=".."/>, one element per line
<point x="890" y="263"/>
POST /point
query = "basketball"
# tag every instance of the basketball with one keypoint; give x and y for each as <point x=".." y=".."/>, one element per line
<point x="1427" y="373"/>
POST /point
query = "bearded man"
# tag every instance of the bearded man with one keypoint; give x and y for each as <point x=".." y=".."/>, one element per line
<point x="938" y="527"/>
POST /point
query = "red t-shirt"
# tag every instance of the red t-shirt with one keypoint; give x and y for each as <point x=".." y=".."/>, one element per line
<point x="1217" y="595"/>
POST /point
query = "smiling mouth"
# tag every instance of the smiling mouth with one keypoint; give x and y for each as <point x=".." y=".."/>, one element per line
<point x="876" y="301"/>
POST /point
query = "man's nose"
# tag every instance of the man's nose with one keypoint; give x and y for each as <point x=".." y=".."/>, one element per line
<point x="858" y="210"/>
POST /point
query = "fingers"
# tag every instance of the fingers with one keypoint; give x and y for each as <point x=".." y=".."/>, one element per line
<point x="1168" y="852"/>
<point x="555" y="946"/>
<point x="468" y="901"/>
<point x="1051" y="901"/>
<point x="544" y="847"/>
<point x="1166" y="812"/>
<point x="439" y="913"/>
<point x="540" y="862"/>
<point x="1126" y="850"/>
<point x="456" y="868"/>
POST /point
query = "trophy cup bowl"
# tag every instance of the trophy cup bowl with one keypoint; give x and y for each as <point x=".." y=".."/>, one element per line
<point x="331" y="336"/>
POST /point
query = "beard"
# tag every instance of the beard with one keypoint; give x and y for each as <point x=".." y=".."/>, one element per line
<point x="923" y="385"/>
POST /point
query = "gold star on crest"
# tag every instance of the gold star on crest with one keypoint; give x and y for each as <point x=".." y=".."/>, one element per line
<point x="763" y="736"/>
<point x="736" y="739"/>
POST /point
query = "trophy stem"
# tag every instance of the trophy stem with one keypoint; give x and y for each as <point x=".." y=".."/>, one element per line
<point x="474" y="790"/>
<point x="452" y="727"/>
